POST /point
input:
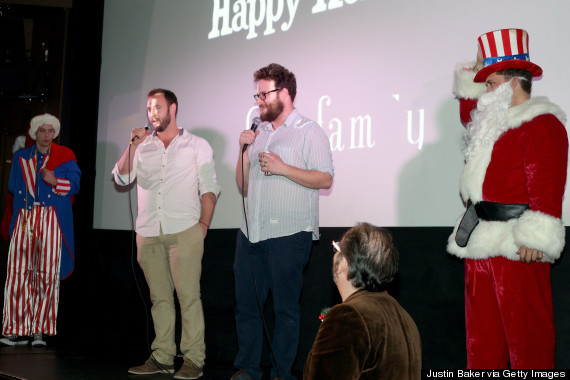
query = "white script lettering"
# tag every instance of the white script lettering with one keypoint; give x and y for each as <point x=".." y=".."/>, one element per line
<point x="420" y="139"/>
<point x="250" y="15"/>
<point x="321" y="5"/>
<point x="360" y="129"/>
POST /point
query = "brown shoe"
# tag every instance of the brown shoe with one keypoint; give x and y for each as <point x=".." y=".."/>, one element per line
<point x="151" y="366"/>
<point x="241" y="375"/>
<point x="189" y="370"/>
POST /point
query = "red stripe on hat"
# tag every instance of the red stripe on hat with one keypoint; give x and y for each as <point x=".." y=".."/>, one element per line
<point x="482" y="47"/>
<point x="506" y="42"/>
<point x="520" y="42"/>
<point x="492" y="44"/>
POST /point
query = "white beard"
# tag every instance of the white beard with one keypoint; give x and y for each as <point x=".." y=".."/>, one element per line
<point x="489" y="120"/>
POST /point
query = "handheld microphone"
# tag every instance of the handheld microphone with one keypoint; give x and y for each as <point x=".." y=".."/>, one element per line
<point x="254" y="124"/>
<point x="146" y="127"/>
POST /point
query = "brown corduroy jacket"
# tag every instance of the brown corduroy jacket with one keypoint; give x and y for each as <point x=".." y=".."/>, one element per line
<point x="368" y="336"/>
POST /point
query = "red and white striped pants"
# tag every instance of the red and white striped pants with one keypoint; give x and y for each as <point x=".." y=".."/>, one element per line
<point x="31" y="295"/>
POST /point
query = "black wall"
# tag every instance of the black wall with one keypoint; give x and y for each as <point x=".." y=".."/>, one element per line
<point x="429" y="286"/>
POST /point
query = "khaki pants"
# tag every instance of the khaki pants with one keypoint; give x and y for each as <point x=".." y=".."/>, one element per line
<point x="174" y="262"/>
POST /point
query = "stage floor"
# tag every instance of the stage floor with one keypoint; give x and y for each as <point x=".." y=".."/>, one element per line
<point x="76" y="362"/>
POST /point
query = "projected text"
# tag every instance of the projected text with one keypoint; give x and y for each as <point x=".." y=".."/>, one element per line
<point x="251" y="15"/>
<point x="360" y="129"/>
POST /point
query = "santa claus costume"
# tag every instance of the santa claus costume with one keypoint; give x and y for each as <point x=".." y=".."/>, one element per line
<point x="520" y="165"/>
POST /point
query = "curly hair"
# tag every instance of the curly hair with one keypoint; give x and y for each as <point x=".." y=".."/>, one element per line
<point x="371" y="255"/>
<point x="283" y="78"/>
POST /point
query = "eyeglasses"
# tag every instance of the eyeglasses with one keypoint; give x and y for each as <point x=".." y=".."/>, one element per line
<point x="336" y="247"/>
<point x="262" y="95"/>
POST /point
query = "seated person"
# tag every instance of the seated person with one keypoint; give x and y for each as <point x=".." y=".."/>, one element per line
<point x="369" y="335"/>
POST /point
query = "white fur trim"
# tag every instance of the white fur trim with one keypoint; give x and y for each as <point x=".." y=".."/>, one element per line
<point x="539" y="105"/>
<point x="463" y="85"/>
<point x="540" y="231"/>
<point x="19" y="143"/>
<point x="533" y="229"/>
<point x="489" y="239"/>
<point x="473" y="175"/>
<point x="44" y="119"/>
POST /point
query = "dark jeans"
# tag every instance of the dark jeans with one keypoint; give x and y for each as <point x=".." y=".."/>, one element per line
<point x="277" y="267"/>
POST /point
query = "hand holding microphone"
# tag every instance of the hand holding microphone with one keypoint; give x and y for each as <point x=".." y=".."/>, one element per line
<point x="140" y="133"/>
<point x="248" y="136"/>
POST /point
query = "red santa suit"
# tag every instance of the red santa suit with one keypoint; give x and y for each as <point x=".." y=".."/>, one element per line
<point x="508" y="304"/>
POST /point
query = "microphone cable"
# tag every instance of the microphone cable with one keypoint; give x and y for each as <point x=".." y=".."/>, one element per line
<point x="259" y="306"/>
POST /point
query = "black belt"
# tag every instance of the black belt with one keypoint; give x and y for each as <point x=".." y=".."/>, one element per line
<point x="501" y="212"/>
<point x="489" y="211"/>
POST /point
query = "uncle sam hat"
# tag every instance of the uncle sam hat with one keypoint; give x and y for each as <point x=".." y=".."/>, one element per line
<point x="505" y="49"/>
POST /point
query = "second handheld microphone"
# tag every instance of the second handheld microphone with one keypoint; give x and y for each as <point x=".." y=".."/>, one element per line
<point x="147" y="128"/>
<point x="254" y="124"/>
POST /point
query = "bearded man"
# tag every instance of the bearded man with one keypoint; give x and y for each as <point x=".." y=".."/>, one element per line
<point x="281" y="168"/>
<point x="516" y="155"/>
<point x="177" y="191"/>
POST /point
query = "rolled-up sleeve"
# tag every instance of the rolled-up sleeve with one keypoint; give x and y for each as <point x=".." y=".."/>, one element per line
<point x="126" y="179"/>
<point x="207" y="182"/>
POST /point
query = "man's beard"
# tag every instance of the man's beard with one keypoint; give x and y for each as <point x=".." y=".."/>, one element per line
<point x="272" y="111"/>
<point x="163" y="123"/>
<point x="489" y="120"/>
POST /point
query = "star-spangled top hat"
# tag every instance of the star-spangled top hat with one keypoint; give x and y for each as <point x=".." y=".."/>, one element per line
<point x="505" y="49"/>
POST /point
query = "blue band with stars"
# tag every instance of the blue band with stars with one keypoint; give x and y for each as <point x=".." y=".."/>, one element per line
<point x="491" y="60"/>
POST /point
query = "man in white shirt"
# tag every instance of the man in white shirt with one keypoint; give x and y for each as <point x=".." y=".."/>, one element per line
<point x="287" y="161"/>
<point x="177" y="192"/>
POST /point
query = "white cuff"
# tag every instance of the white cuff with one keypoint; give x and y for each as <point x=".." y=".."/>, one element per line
<point x="463" y="85"/>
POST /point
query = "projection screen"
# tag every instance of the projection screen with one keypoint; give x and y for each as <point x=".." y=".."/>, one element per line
<point x="375" y="74"/>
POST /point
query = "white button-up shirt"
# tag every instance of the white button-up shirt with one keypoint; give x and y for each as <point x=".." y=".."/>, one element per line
<point x="170" y="182"/>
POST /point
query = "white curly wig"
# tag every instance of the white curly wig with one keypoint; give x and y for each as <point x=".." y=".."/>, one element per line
<point x="40" y="120"/>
